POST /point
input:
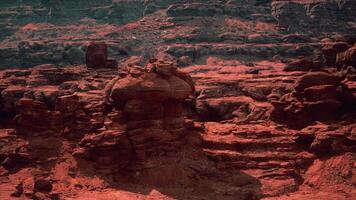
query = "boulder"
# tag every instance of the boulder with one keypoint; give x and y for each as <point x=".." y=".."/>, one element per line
<point x="319" y="92"/>
<point x="157" y="86"/>
<point x="315" y="79"/>
<point x="149" y="87"/>
<point x="324" y="109"/>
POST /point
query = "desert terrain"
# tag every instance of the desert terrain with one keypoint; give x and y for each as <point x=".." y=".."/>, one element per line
<point x="178" y="99"/>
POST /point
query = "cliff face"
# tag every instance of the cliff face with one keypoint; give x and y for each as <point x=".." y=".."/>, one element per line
<point x="177" y="99"/>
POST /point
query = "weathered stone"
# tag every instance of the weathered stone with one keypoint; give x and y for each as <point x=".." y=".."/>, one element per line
<point x="97" y="55"/>
<point x="43" y="185"/>
<point x="315" y="79"/>
<point x="347" y="58"/>
<point x="331" y="50"/>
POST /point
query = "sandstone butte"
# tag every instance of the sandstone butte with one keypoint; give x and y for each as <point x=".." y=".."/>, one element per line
<point x="176" y="99"/>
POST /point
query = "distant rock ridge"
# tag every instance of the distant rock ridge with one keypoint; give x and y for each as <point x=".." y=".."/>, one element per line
<point x="322" y="15"/>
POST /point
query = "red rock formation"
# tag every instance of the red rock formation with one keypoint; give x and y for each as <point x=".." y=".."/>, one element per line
<point x="316" y="96"/>
<point x="304" y="64"/>
<point x="96" y="133"/>
<point x="331" y="50"/>
<point x="347" y="61"/>
<point x="96" y="55"/>
<point x="148" y="118"/>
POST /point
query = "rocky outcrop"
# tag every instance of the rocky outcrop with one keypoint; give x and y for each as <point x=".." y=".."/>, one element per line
<point x="95" y="132"/>
<point x="96" y="55"/>
<point x="347" y="58"/>
<point x="325" y="140"/>
<point x="316" y="96"/>
<point x="304" y="64"/>
<point x="52" y="94"/>
<point x="147" y="119"/>
<point x="320" y="173"/>
<point x="331" y="50"/>
<point x="139" y="117"/>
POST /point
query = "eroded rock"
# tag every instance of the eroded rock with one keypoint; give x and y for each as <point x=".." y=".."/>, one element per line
<point x="316" y="96"/>
<point x="147" y="120"/>
<point x="96" y="55"/>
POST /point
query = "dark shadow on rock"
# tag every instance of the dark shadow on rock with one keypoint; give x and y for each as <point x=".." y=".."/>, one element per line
<point x="181" y="175"/>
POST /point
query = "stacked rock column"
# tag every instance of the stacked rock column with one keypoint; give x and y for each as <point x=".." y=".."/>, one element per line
<point x="152" y="109"/>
